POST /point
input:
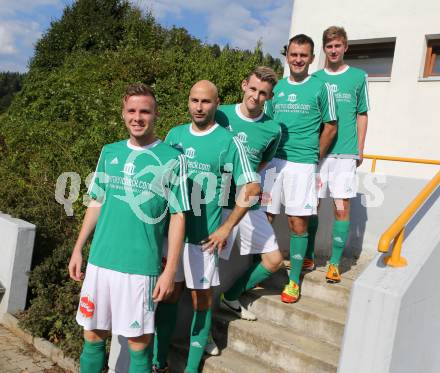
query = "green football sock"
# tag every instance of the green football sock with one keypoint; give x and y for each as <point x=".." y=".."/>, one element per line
<point x="311" y="230"/>
<point x="201" y="324"/>
<point x="298" y="247"/>
<point x="166" y="316"/>
<point x="254" y="275"/>
<point x="92" y="358"/>
<point x="140" y="361"/>
<point x="341" y="228"/>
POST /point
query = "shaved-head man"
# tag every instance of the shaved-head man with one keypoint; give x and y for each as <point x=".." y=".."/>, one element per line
<point x="211" y="151"/>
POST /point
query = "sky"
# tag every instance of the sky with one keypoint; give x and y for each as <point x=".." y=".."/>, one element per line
<point x="239" y="23"/>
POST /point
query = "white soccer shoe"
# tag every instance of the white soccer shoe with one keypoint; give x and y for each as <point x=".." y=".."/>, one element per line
<point x="211" y="347"/>
<point x="236" y="308"/>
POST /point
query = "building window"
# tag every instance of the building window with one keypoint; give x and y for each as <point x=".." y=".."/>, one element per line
<point x="432" y="61"/>
<point x="376" y="58"/>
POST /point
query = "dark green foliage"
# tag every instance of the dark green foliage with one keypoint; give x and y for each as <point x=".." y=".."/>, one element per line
<point x="10" y="84"/>
<point x="70" y="106"/>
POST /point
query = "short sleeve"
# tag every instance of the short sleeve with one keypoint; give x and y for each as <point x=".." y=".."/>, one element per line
<point x="242" y="171"/>
<point x="269" y="108"/>
<point x="363" y="101"/>
<point x="271" y="149"/>
<point x="179" y="196"/>
<point x="98" y="183"/>
<point x="327" y="104"/>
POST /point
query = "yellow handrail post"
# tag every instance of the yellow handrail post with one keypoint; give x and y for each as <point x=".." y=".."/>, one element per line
<point x="373" y="165"/>
<point x="395" y="260"/>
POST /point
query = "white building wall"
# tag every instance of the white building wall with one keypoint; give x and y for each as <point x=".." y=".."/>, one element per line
<point x="405" y="116"/>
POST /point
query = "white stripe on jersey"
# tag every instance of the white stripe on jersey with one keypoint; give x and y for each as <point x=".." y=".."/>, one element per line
<point x="367" y="98"/>
<point x="331" y="102"/>
<point x="245" y="165"/>
<point x="92" y="182"/>
<point x="183" y="185"/>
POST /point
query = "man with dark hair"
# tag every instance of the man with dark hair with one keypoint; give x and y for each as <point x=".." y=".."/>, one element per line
<point x="301" y="103"/>
<point x="138" y="185"/>
<point x="338" y="169"/>
<point x="260" y="136"/>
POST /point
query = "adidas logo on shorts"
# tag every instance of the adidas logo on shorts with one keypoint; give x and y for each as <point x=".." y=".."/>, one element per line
<point x="204" y="280"/>
<point x="307" y="206"/>
<point x="135" y="325"/>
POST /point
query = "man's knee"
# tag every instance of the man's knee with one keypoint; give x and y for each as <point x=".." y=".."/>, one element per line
<point x="139" y="343"/>
<point x="272" y="261"/>
<point x="201" y="299"/>
<point x="298" y="224"/>
<point x="342" y="209"/>
<point x="95" y="335"/>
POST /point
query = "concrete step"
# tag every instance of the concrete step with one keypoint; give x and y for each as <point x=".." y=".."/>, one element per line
<point x="310" y="316"/>
<point x="229" y="361"/>
<point x="285" y="349"/>
<point x="314" y="285"/>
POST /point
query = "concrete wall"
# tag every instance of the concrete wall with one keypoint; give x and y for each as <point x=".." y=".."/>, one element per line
<point x="16" y="248"/>
<point x="405" y="109"/>
<point x="393" y="324"/>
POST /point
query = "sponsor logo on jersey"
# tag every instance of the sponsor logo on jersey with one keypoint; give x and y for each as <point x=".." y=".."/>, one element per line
<point x="135" y="325"/>
<point x="291" y="97"/>
<point x="334" y="88"/>
<point x="115" y="161"/>
<point x="190" y="153"/>
<point x="297" y="257"/>
<point x="338" y="239"/>
<point x="86" y="307"/>
<point x="129" y="169"/>
<point x="242" y="137"/>
<point x="281" y="94"/>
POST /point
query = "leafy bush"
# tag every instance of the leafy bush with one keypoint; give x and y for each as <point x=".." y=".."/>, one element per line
<point x="70" y="106"/>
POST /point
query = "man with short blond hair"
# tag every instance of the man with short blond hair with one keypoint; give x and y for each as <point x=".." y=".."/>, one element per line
<point x="139" y="185"/>
<point x="338" y="169"/>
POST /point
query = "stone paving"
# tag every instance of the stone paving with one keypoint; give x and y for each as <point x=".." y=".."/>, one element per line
<point x="16" y="356"/>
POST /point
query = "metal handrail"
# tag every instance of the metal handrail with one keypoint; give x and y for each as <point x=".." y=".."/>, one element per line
<point x="396" y="231"/>
<point x="398" y="159"/>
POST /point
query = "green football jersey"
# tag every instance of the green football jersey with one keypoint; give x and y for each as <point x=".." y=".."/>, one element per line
<point x="300" y="108"/>
<point x="138" y="188"/>
<point x="350" y="88"/>
<point x="211" y="155"/>
<point x="260" y="137"/>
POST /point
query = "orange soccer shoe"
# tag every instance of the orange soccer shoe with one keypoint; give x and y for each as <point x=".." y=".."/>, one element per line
<point x="308" y="264"/>
<point x="290" y="293"/>
<point x="333" y="275"/>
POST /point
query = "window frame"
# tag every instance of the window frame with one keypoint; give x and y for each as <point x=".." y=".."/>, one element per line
<point x="376" y="48"/>
<point x="432" y="54"/>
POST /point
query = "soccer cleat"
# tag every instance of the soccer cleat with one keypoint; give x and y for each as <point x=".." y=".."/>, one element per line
<point x="236" y="308"/>
<point x="308" y="265"/>
<point x="156" y="369"/>
<point x="290" y="293"/>
<point x="211" y="347"/>
<point x="333" y="275"/>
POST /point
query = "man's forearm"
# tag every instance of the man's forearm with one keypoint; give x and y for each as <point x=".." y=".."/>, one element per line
<point x="326" y="138"/>
<point x="176" y="233"/>
<point x="88" y="225"/>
